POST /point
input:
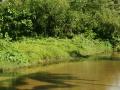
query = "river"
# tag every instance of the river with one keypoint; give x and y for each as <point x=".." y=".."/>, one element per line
<point x="99" y="73"/>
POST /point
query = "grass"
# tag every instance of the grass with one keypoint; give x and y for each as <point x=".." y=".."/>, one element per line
<point x="47" y="50"/>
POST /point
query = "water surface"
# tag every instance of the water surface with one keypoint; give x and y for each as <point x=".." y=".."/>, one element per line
<point x="101" y="73"/>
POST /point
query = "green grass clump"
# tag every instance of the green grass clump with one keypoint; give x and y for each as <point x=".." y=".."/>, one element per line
<point x="10" y="56"/>
<point x="33" y="51"/>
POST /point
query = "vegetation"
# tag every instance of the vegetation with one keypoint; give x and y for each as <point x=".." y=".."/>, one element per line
<point x="61" y="18"/>
<point x="48" y="50"/>
<point x="67" y="28"/>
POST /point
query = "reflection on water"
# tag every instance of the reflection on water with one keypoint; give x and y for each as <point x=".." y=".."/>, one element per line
<point x="102" y="74"/>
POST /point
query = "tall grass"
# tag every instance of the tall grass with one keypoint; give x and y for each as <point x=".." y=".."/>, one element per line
<point x="32" y="51"/>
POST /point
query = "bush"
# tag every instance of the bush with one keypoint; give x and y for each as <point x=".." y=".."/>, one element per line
<point x="9" y="54"/>
<point x="60" y="18"/>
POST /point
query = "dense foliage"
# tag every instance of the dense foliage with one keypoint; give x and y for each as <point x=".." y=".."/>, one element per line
<point x="61" y="18"/>
<point x="71" y="28"/>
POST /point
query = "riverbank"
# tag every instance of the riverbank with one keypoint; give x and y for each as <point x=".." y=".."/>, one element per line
<point x="59" y="75"/>
<point x="33" y="51"/>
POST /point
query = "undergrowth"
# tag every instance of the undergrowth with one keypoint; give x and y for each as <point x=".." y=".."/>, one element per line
<point x="31" y="51"/>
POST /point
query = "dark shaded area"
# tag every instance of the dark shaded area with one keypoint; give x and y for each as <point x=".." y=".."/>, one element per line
<point x="109" y="58"/>
<point x="112" y="57"/>
<point x="7" y="88"/>
<point x="55" y="80"/>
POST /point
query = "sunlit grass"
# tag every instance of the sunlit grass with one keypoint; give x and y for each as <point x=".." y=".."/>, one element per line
<point x="33" y="51"/>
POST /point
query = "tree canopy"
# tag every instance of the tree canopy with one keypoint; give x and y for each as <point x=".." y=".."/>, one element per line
<point x="61" y="18"/>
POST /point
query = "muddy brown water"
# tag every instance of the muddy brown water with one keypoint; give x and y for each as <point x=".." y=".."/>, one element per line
<point x="99" y="73"/>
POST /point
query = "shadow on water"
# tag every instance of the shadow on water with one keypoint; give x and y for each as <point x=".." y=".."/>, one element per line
<point x="74" y="76"/>
<point x="40" y="81"/>
<point x="112" y="57"/>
